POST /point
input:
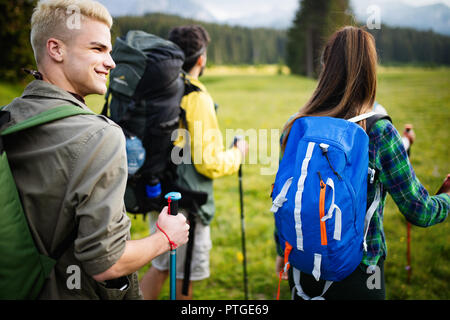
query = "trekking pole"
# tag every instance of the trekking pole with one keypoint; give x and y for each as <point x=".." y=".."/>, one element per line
<point x="188" y="259"/>
<point x="408" y="267"/>
<point x="244" y="252"/>
<point x="241" y="198"/>
<point x="172" y="203"/>
<point x="408" y="251"/>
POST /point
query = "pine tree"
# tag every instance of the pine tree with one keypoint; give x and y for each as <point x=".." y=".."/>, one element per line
<point x="314" y="22"/>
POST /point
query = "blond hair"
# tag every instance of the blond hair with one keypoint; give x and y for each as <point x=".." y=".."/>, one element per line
<point x="60" y="18"/>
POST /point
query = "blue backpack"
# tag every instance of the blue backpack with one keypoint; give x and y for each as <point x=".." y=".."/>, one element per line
<point x="320" y="197"/>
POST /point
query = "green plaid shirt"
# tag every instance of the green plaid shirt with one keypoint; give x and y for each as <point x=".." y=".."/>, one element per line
<point x="396" y="175"/>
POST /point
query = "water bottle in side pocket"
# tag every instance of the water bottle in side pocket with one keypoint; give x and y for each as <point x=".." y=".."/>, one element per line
<point x="135" y="154"/>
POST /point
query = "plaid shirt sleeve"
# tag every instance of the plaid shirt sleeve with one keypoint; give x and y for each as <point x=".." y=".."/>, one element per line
<point x="399" y="179"/>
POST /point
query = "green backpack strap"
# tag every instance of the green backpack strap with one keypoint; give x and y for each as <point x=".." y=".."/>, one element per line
<point x="47" y="116"/>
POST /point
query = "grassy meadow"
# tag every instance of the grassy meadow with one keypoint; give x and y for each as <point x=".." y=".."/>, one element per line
<point x="259" y="99"/>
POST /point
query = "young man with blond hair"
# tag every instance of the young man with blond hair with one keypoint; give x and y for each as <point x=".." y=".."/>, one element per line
<point x="71" y="173"/>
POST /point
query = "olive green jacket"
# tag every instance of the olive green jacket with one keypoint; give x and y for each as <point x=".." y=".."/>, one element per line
<point x="71" y="175"/>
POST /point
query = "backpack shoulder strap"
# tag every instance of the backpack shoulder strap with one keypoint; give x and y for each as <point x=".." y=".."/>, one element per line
<point x="362" y="117"/>
<point x="371" y="118"/>
<point x="106" y="105"/>
<point x="47" y="116"/>
<point x="370" y="122"/>
<point x="189" y="87"/>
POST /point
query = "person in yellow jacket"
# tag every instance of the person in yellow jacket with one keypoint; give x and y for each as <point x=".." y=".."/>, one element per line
<point x="209" y="160"/>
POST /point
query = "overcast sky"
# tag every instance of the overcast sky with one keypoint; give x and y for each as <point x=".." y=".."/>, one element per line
<point x="424" y="2"/>
<point x="235" y="8"/>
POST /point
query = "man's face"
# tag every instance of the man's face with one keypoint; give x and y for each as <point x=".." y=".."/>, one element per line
<point x="88" y="61"/>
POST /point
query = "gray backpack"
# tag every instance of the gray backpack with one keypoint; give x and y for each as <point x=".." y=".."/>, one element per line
<point x="145" y="93"/>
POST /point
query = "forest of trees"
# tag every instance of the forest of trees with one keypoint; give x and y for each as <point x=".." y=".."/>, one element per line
<point x="239" y="45"/>
<point x="316" y="20"/>
<point x="229" y="45"/>
<point x="299" y="47"/>
<point x="15" y="30"/>
<point x="405" y="45"/>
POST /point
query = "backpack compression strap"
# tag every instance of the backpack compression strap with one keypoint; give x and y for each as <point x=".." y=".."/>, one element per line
<point x="47" y="116"/>
<point x="371" y="119"/>
<point x="370" y="122"/>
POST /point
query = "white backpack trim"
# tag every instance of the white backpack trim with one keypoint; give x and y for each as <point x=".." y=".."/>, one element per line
<point x="316" y="268"/>
<point x="370" y="212"/>
<point x="281" y="197"/>
<point x="299" y="289"/>
<point x="299" y="194"/>
<point x="338" y="216"/>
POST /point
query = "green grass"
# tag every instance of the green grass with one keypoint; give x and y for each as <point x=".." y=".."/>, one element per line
<point x="8" y="92"/>
<point x="264" y="100"/>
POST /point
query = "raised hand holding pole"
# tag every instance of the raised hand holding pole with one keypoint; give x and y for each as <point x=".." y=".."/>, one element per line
<point x="172" y="203"/>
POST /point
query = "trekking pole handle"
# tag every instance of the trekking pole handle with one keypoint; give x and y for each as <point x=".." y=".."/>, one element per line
<point x="235" y="140"/>
<point x="408" y="129"/>
<point x="172" y="202"/>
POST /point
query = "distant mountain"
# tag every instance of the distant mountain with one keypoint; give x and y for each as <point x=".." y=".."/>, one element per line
<point x="279" y="14"/>
<point x="276" y="19"/>
<point x="184" y="8"/>
<point x="396" y="13"/>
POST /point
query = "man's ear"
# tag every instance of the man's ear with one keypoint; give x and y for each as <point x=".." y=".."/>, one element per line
<point x="200" y="60"/>
<point x="55" y="49"/>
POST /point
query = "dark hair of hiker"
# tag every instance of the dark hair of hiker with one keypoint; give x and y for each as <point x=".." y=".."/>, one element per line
<point x="193" y="40"/>
<point x="347" y="83"/>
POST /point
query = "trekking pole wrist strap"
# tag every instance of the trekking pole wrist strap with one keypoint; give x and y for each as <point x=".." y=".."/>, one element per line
<point x="172" y="244"/>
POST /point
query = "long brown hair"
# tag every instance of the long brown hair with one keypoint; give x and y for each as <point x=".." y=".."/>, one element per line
<point x="347" y="84"/>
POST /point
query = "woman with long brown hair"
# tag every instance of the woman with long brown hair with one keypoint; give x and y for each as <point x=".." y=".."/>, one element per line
<point x="347" y="88"/>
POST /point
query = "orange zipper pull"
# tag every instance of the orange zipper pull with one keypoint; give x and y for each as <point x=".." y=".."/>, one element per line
<point x="323" y="230"/>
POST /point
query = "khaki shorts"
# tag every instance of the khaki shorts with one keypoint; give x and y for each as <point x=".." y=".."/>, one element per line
<point x="200" y="252"/>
